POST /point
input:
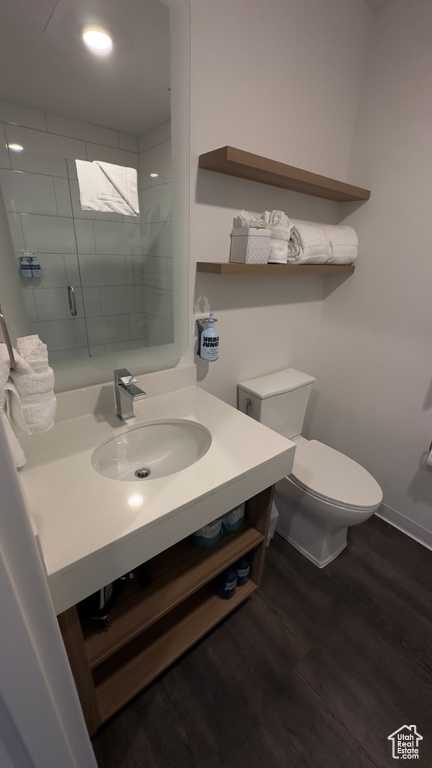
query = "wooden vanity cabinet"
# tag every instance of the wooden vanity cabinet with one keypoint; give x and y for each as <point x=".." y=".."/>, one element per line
<point x="151" y="627"/>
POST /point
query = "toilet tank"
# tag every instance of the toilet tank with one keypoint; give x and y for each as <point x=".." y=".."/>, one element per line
<point x="278" y="400"/>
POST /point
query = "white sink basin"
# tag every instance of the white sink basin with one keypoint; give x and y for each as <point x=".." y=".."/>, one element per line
<point x="152" y="450"/>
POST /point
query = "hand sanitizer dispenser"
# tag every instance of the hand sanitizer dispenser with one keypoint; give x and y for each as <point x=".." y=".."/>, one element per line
<point x="209" y="341"/>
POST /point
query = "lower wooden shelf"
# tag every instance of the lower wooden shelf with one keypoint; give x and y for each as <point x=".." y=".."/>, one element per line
<point x="231" y="268"/>
<point x="133" y="667"/>
<point x="176" y="574"/>
<point x="151" y="627"/>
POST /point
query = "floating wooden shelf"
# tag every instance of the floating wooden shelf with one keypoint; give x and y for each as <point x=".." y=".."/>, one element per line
<point x="230" y="268"/>
<point x="245" y="165"/>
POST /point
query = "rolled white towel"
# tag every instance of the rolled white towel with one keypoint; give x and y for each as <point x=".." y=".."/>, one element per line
<point x="312" y="242"/>
<point x="344" y="243"/>
<point x="39" y="415"/>
<point x="29" y="383"/>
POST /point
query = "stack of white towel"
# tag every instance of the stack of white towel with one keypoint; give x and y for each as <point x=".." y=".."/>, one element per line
<point x="281" y="229"/>
<point x="27" y="401"/>
<point x="304" y="242"/>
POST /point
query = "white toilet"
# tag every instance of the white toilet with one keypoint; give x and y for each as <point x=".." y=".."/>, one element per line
<point x="326" y="491"/>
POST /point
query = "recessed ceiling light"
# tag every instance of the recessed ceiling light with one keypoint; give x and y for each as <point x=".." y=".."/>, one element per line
<point x="154" y="175"/>
<point x="97" y="39"/>
<point x="16" y="147"/>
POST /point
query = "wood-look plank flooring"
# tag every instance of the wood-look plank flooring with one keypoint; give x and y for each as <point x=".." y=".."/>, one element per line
<point x="315" y="671"/>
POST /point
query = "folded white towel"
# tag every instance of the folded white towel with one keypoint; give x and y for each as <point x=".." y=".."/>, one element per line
<point x="282" y="233"/>
<point x="344" y="243"/>
<point x="278" y="251"/>
<point x="10" y="408"/>
<point x="311" y="243"/>
<point x="107" y="187"/>
<point x="39" y="415"/>
<point x="32" y="349"/>
<point x="10" y="402"/>
<point x="279" y="224"/>
<point x="14" y="409"/>
<point x="34" y="382"/>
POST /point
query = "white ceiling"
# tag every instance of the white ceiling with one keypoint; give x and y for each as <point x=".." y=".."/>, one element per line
<point x="44" y="64"/>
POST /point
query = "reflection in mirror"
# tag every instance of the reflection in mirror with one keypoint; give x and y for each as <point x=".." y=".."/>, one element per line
<point x="93" y="282"/>
<point x="103" y="288"/>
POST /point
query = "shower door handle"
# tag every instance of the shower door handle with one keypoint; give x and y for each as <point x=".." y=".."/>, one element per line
<point x="72" y="300"/>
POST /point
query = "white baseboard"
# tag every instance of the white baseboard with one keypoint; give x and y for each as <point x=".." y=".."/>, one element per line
<point x="405" y="525"/>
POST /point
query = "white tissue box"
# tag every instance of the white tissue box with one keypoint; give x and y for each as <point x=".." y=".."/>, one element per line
<point x="250" y="245"/>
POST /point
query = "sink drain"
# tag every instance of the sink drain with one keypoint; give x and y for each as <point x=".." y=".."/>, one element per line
<point x="143" y="472"/>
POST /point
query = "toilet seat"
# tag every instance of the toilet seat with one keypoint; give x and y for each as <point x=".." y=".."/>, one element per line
<point x="330" y="476"/>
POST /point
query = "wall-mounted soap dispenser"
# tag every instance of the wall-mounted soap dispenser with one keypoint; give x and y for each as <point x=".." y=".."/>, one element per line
<point x="35" y="267"/>
<point x="29" y="266"/>
<point x="25" y="267"/>
<point x="208" y="339"/>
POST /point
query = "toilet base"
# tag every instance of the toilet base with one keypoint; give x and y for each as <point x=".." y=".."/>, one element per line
<point x="313" y="526"/>
<point x="309" y="555"/>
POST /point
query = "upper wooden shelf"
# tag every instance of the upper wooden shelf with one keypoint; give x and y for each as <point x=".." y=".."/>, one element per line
<point x="231" y="268"/>
<point x="245" y="165"/>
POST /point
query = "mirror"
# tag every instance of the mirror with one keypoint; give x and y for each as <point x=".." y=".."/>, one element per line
<point x="101" y="288"/>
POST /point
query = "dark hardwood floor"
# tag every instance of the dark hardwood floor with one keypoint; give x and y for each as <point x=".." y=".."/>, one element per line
<point x="316" y="670"/>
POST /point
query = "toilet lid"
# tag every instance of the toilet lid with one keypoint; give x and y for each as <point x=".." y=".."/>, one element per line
<point x="329" y="475"/>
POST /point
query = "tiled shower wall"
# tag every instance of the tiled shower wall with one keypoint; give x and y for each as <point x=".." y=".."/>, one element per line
<point x="120" y="267"/>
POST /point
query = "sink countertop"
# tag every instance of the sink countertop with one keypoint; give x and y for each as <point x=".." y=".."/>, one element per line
<point x="89" y="530"/>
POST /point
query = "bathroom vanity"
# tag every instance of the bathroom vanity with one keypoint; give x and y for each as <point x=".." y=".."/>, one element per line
<point x="92" y="529"/>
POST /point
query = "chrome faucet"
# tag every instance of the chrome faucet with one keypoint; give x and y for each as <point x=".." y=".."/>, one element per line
<point x="126" y="393"/>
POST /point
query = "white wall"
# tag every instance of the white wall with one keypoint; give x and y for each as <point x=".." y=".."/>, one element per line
<point x="341" y="90"/>
<point x="374" y="361"/>
<point x="281" y="79"/>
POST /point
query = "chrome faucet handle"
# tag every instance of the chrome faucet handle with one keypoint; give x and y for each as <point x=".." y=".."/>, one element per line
<point x="123" y="376"/>
<point x="125" y="393"/>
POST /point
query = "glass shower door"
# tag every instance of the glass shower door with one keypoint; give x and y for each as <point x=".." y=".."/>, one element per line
<point x="36" y="192"/>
